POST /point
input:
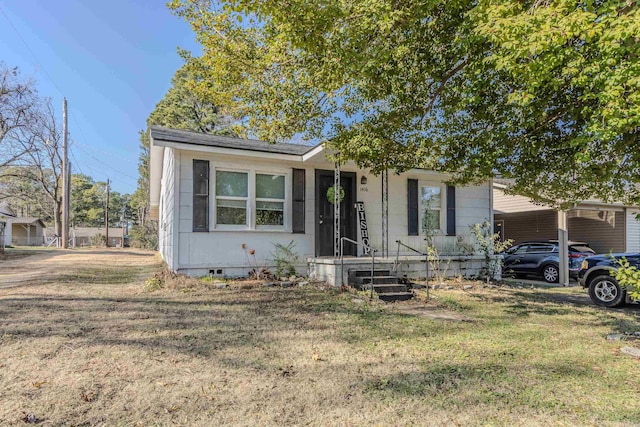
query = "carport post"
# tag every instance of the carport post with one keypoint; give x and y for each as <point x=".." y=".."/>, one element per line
<point x="563" y="248"/>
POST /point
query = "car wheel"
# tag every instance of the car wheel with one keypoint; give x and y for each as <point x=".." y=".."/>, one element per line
<point x="550" y="273"/>
<point x="605" y="291"/>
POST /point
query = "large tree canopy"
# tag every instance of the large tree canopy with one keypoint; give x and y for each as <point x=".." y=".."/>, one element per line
<point x="546" y="92"/>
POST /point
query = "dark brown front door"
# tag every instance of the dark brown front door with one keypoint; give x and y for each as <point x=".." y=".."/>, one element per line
<point x="324" y="212"/>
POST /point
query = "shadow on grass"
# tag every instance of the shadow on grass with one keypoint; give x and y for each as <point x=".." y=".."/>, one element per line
<point x="461" y="385"/>
<point x="197" y="325"/>
<point x="524" y="304"/>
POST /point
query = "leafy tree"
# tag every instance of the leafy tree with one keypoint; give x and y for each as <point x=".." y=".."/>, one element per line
<point x="140" y="198"/>
<point x="183" y="107"/>
<point x="544" y="92"/>
<point x="88" y="200"/>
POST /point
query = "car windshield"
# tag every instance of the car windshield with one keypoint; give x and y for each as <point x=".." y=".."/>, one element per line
<point x="584" y="249"/>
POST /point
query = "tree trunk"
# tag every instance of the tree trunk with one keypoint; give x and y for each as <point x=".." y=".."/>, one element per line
<point x="57" y="217"/>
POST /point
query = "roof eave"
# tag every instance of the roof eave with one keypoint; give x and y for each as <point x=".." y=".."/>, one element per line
<point x="228" y="151"/>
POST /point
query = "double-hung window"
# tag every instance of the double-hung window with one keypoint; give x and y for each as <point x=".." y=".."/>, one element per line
<point x="250" y="200"/>
<point x="430" y="209"/>
<point x="232" y="197"/>
<point x="270" y="200"/>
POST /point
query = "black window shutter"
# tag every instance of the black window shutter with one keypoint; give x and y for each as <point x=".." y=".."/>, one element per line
<point x="451" y="210"/>
<point x="200" y="195"/>
<point x="297" y="222"/>
<point x="412" y="206"/>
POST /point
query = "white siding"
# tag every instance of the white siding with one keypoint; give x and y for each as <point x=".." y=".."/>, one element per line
<point x="507" y="203"/>
<point x="473" y="205"/>
<point x="200" y="252"/>
<point x="633" y="231"/>
<point x="167" y="212"/>
<point x="7" y="229"/>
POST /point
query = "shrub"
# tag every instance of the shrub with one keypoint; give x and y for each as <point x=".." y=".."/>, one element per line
<point x="285" y="259"/>
<point x="144" y="236"/>
<point x="99" y="240"/>
<point x="489" y="244"/>
<point x="629" y="278"/>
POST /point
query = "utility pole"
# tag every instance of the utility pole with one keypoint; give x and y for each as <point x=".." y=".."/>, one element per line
<point x="123" y="225"/>
<point x="65" y="177"/>
<point x="106" y="215"/>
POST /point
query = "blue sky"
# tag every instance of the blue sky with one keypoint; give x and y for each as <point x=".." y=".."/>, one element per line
<point x="113" y="61"/>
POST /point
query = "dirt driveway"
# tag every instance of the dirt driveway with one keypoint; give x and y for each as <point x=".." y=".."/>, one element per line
<point x="23" y="267"/>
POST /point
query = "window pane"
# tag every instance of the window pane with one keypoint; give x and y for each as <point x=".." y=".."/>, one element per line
<point x="269" y="213"/>
<point x="540" y="248"/>
<point x="431" y="197"/>
<point x="200" y="177"/>
<point x="231" y="184"/>
<point x="200" y="213"/>
<point x="231" y="212"/>
<point x="269" y="186"/>
<point x="431" y="220"/>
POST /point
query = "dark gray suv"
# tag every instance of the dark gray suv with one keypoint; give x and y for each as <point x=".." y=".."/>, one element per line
<point x="542" y="259"/>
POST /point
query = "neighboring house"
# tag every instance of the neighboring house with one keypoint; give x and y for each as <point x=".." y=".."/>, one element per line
<point x="224" y="203"/>
<point x="87" y="236"/>
<point x="7" y="215"/>
<point x="27" y="231"/>
<point x="607" y="227"/>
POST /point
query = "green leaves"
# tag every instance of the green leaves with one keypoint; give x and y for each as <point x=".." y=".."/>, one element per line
<point x="546" y="93"/>
<point x="629" y="278"/>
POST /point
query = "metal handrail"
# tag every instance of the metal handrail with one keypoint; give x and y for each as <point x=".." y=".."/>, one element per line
<point x="373" y="260"/>
<point x="426" y="256"/>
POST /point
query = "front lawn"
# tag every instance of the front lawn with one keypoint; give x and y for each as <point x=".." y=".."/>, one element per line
<point x="88" y="351"/>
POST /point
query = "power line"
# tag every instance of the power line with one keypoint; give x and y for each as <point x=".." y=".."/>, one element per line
<point x="77" y="163"/>
<point x="108" y="153"/>
<point x="30" y="51"/>
<point x="110" y="167"/>
<point x="46" y="73"/>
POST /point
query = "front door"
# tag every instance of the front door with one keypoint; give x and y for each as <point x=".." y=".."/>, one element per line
<point x="324" y="212"/>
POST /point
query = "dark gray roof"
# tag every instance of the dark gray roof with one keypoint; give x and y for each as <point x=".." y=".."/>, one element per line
<point x="160" y="133"/>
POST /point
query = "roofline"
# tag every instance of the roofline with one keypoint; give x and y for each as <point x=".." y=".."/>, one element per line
<point x="224" y="139"/>
<point x="313" y="152"/>
<point x="229" y="151"/>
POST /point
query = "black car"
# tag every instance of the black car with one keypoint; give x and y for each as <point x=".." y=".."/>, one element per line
<point x="597" y="274"/>
<point x="542" y="259"/>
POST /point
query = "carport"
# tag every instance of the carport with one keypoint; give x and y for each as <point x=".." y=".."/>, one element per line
<point x="603" y="229"/>
<point x="606" y="227"/>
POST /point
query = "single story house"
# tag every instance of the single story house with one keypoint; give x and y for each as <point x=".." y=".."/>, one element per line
<point x="223" y="204"/>
<point x="607" y="227"/>
<point x="27" y="231"/>
<point x="7" y="215"/>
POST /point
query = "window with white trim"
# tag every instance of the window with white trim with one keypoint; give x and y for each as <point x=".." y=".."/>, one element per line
<point x="270" y="200"/>
<point x="251" y="200"/>
<point x="431" y="208"/>
<point x="232" y="197"/>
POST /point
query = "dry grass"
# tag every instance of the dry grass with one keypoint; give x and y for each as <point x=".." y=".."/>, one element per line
<point x="88" y="346"/>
